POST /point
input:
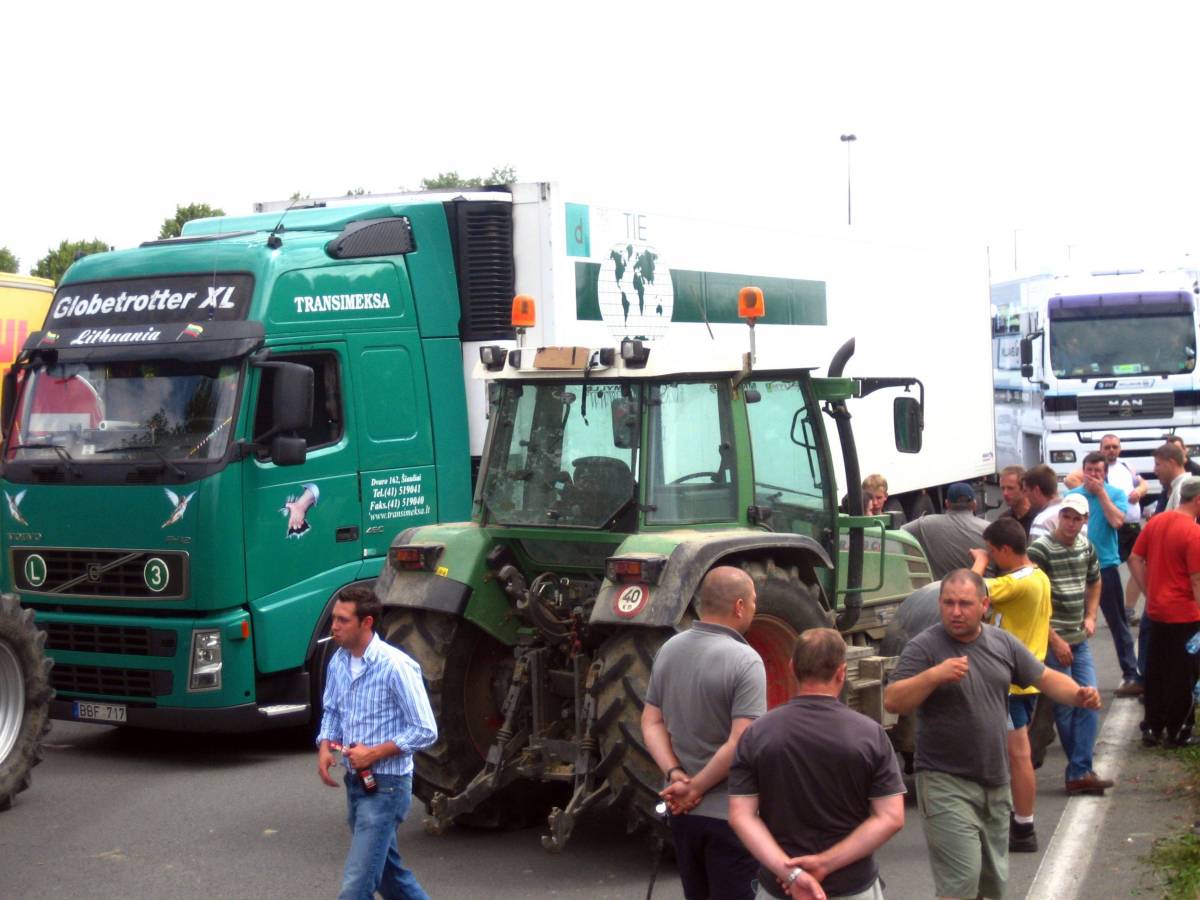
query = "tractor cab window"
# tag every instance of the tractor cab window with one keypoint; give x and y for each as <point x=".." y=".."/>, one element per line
<point x="789" y="477"/>
<point x="692" y="463"/>
<point x="557" y="460"/>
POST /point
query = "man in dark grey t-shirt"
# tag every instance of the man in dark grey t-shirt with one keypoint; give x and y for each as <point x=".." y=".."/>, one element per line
<point x="956" y="676"/>
<point x="706" y="687"/>
<point x="815" y="786"/>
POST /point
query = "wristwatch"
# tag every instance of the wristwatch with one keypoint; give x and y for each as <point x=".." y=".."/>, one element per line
<point x="792" y="876"/>
<point x="673" y="768"/>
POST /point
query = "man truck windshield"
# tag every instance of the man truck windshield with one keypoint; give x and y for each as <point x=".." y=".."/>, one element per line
<point x="180" y="411"/>
<point x="1158" y="345"/>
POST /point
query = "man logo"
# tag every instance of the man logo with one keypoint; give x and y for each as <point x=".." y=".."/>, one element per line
<point x="1125" y="406"/>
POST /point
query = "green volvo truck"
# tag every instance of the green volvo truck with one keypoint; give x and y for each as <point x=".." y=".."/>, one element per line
<point x="212" y="435"/>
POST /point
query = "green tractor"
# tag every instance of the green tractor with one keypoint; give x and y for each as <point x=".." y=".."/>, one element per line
<point x="611" y="481"/>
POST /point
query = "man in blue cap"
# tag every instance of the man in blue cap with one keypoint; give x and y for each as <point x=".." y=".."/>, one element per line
<point x="947" y="538"/>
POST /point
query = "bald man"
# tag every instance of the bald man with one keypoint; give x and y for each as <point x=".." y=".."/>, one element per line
<point x="706" y="687"/>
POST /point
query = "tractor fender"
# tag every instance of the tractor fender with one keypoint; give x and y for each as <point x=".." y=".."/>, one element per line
<point x="663" y="604"/>
<point x="434" y="591"/>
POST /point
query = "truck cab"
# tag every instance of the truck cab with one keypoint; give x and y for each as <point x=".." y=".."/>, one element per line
<point x="210" y="436"/>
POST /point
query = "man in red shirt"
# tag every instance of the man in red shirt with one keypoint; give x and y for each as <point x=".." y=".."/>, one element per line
<point x="1166" y="564"/>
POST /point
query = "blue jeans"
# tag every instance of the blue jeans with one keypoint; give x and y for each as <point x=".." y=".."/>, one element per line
<point x="1112" y="604"/>
<point x="1077" y="727"/>
<point x="373" y="863"/>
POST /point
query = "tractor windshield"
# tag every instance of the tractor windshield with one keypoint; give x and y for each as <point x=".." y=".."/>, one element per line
<point x="562" y="455"/>
<point x="691" y="462"/>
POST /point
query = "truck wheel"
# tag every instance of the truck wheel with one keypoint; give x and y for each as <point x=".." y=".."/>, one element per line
<point x="25" y="695"/>
<point x="634" y="779"/>
<point x="467" y="674"/>
<point x="786" y="607"/>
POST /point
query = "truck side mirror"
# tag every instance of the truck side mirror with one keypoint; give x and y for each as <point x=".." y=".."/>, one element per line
<point x="1026" y="351"/>
<point x="288" y="451"/>
<point x="292" y="397"/>
<point x="9" y="401"/>
<point x="907" y="422"/>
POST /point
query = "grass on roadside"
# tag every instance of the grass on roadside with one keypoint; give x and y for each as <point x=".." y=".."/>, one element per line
<point x="1176" y="859"/>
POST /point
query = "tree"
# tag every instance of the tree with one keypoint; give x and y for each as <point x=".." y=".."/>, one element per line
<point x="8" y="262"/>
<point x="356" y="192"/>
<point x="56" y="262"/>
<point x="173" y="226"/>
<point x="501" y="175"/>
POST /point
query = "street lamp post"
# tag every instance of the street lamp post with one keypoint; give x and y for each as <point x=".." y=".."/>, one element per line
<point x="848" y="139"/>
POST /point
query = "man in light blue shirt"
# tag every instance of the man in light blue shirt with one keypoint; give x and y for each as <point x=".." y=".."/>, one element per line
<point x="377" y="710"/>
<point x="1106" y="514"/>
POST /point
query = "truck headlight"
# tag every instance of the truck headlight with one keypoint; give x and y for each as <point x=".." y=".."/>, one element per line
<point x="205" y="673"/>
<point x="1062" y="456"/>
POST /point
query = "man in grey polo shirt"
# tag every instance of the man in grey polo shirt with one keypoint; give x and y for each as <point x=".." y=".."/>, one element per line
<point x="706" y="687"/>
<point x="956" y="676"/>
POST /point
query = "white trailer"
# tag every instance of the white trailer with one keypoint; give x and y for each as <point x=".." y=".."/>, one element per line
<point x="1083" y="355"/>
<point x="600" y="273"/>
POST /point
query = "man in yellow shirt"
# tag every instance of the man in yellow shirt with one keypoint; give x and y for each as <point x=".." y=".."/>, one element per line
<point x="1020" y="603"/>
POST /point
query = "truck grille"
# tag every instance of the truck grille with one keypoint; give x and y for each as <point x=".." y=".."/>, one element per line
<point x="1125" y="406"/>
<point x="86" y="572"/>
<point x="79" y="637"/>
<point x="69" y="679"/>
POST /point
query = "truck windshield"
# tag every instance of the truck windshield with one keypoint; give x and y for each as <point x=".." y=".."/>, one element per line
<point x="554" y="458"/>
<point x="1119" y="345"/>
<point x="93" y="411"/>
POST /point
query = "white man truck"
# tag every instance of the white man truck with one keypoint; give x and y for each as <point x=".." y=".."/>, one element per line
<point x="1080" y="356"/>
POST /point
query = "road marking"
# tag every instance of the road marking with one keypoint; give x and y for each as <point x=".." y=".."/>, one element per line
<point x="1068" y="859"/>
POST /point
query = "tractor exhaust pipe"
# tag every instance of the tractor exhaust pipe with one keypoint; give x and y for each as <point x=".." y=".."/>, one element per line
<point x="847" y="618"/>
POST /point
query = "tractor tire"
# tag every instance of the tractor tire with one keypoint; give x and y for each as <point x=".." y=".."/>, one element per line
<point x="633" y="776"/>
<point x="787" y="605"/>
<point x="25" y="695"/>
<point x="466" y="676"/>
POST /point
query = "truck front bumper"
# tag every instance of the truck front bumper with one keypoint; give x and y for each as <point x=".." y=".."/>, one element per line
<point x="234" y="719"/>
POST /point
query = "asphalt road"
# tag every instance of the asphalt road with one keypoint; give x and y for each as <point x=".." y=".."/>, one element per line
<point x="121" y="813"/>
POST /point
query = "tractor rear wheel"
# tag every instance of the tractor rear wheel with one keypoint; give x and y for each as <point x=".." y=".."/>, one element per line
<point x="25" y="695"/>
<point x="786" y="607"/>
<point x="467" y="674"/>
<point x="634" y="779"/>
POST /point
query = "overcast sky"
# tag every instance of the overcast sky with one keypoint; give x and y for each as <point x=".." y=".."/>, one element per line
<point x="1033" y="127"/>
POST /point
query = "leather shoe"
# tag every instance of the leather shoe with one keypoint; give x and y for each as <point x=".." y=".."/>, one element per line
<point x="1130" y="688"/>
<point x="1091" y="783"/>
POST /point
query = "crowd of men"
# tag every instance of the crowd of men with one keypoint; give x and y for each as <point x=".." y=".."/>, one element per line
<point x="794" y="802"/>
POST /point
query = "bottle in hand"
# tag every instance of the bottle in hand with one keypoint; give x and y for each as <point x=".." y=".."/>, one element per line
<point x="368" y="780"/>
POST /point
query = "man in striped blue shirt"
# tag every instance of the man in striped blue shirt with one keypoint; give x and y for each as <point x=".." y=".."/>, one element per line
<point x="377" y="710"/>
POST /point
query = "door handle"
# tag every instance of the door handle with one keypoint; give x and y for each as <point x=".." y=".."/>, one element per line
<point x="347" y="533"/>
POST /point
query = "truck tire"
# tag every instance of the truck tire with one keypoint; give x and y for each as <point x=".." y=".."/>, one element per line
<point x="25" y="695"/>
<point x="466" y="675"/>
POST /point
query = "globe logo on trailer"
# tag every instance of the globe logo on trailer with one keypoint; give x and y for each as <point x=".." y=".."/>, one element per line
<point x="635" y="293"/>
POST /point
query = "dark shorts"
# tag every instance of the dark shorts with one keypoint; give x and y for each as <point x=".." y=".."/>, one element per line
<point x="1020" y="710"/>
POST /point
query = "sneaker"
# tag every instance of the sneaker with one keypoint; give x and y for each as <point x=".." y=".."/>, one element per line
<point x="1130" y="688"/>
<point x="1021" y="838"/>
<point x="1150" y="738"/>
<point x="1181" y="740"/>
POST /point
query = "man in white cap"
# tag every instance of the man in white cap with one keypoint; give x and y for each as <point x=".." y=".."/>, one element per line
<point x="1070" y="562"/>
